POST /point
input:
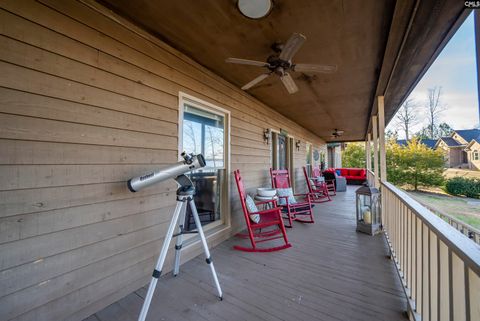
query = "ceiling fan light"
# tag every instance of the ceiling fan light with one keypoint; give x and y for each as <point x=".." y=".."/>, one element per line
<point x="254" y="9"/>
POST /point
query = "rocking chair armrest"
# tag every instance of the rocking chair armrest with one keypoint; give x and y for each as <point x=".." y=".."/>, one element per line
<point x="267" y="211"/>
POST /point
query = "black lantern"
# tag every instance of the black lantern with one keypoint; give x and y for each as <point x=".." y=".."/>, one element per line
<point x="368" y="210"/>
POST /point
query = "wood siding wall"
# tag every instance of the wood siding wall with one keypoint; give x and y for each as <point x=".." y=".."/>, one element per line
<point x="87" y="101"/>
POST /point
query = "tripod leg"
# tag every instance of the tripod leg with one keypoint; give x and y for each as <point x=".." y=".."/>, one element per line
<point x="205" y="246"/>
<point x="178" y="244"/>
<point x="161" y="260"/>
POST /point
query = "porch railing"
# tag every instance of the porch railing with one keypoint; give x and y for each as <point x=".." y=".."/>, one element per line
<point x="439" y="267"/>
<point x="468" y="230"/>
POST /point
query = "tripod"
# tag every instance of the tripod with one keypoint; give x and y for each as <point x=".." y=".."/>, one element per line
<point x="185" y="194"/>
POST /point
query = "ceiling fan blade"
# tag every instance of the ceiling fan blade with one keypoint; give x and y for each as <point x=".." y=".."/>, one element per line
<point x="255" y="81"/>
<point x="314" y="68"/>
<point x="289" y="83"/>
<point x="246" y="62"/>
<point x="292" y="46"/>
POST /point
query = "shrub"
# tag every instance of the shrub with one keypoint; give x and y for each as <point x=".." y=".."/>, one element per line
<point x="354" y="155"/>
<point x="469" y="187"/>
<point x="414" y="165"/>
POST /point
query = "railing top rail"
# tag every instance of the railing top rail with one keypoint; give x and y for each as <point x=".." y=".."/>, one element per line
<point x="467" y="250"/>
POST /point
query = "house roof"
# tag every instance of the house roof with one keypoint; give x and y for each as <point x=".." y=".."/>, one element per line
<point x="430" y="143"/>
<point x="469" y="134"/>
<point x="450" y="141"/>
<point x="473" y="141"/>
<point x="374" y="45"/>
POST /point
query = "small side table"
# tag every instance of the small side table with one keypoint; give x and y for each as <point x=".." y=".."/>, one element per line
<point x="265" y="198"/>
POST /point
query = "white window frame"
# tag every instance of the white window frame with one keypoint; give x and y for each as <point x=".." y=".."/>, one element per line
<point x="475" y="155"/>
<point x="184" y="98"/>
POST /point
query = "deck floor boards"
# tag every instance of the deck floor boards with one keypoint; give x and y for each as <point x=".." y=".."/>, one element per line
<point x="331" y="273"/>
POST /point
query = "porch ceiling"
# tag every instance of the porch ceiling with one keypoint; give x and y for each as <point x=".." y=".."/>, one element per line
<point x="363" y="38"/>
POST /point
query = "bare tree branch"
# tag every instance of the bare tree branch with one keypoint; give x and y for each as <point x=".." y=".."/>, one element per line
<point x="434" y="109"/>
<point x="407" y="116"/>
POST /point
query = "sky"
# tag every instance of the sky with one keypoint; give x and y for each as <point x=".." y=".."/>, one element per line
<point x="455" y="71"/>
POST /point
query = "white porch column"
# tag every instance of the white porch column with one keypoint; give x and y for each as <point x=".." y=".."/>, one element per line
<point x="375" y="150"/>
<point x="381" y="138"/>
<point x="368" y="162"/>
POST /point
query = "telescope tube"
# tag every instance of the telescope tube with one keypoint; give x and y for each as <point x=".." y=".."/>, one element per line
<point x="189" y="163"/>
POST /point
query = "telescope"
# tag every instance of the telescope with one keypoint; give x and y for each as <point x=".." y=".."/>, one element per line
<point x="189" y="163"/>
<point x="185" y="194"/>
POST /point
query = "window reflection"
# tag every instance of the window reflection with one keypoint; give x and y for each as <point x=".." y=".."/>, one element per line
<point x="204" y="132"/>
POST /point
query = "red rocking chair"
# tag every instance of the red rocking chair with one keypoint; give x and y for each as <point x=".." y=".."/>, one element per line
<point x="330" y="181"/>
<point x="268" y="217"/>
<point x="281" y="179"/>
<point x="317" y="191"/>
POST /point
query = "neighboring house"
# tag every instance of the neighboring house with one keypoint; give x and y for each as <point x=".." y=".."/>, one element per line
<point x="430" y="143"/>
<point x="461" y="148"/>
<point x="473" y="153"/>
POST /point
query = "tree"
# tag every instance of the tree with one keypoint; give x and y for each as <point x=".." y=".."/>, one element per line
<point x="354" y="155"/>
<point x="441" y="130"/>
<point x="414" y="165"/>
<point x="407" y="116"/>
<point x="444" y="130"/>
<point x="391" y="135"/>
<point x="434" y="109"/>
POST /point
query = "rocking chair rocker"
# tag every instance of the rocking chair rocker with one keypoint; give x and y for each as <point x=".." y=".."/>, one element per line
<point x="281" y="179"/>
<point x="268" y="217"/>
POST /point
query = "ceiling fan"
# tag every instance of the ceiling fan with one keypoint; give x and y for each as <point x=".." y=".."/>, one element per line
<point x="281" y="64"/>
<point x="337" y="133"/>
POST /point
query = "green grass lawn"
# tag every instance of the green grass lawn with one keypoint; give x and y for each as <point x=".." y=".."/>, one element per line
<point x="462" y="208"/>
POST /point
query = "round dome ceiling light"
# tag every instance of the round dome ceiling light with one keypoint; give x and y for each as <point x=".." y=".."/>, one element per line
<point x="255" y="9"/>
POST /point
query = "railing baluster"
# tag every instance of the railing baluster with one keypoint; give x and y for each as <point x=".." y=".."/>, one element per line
<point x="404" y="242"/>
<point x="474" y="294"/>
<point x="418" y="250"/>
<point x="444" y="288"/>
<point x="458" y="287"/>
<point x="400" y="243"/>
<point x="414" y="258"/>
<point x="433" y="284"/>
<point x="425" y="273"/>
<point x="407" y="249"/>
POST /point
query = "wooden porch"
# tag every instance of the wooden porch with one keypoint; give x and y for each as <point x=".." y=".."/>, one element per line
<point x="330" y="273"/>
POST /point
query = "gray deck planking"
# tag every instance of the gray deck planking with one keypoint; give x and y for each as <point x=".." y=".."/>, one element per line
<point x="331" y="273"/>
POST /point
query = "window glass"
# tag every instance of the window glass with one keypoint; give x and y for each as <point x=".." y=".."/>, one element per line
<point x="204" y="132"/>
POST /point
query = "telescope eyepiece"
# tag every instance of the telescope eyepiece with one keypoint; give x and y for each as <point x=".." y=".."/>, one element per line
<point x="187" y="157"/>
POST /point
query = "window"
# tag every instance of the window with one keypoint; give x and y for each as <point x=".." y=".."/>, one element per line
<point x="204" y="129"/>
<point x="282" y="153"/>
<point x="475" y="155"/>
